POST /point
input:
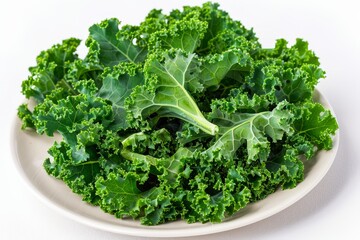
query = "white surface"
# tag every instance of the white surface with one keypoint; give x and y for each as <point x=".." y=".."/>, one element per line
<point x="330" y="211"/>
<point x="29" y="150"/>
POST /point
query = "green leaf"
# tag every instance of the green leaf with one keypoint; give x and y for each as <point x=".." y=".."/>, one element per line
<point x="117" y="86"/>
<point x="252" y="129"/>
<point x="287" y="168"/>
<point x="77" y="118"/>
<point x="114" y="48"/>
<point x="316" y="124"/>
<point x="83" y="70"/>
<point x="184" y="34"/>
<point x="26" y="116"/>
<point x="295" y="56"/>
<point x="165" y="91"/>
<point x="80" y="177"/>
<point x="298" y="84"/>
<point x="215" y="67"/>
<point x="156" y="143"/>
<point x="174" y="167"/>
<point x="121" y="196"/>
<point x="219" y="21"/>
<point x="239" y="102"/>
<point x="52" y="65"/>
<point x="286" y="73"/>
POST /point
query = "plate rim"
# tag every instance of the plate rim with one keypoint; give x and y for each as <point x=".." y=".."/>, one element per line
<point x="207" y="229"/>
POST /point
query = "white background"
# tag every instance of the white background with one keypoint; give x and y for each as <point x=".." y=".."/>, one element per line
<point x="330" y="211"/>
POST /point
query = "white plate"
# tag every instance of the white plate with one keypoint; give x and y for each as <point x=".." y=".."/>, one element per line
<point x="30" y="150"/>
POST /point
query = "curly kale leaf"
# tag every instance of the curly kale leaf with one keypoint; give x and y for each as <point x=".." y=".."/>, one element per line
<point x="252" y="129"/>
<point x="166" y="91"/>
<point x="117" y="85"/>
<point x="286" y="167"/>
<point x="216" y="67"/>
<point x="80" y="177"/>
<point x="184" y="34"/>
<point x="115" y="48"/>
<point x="121" y="197"/>
<point x="157" y="143"/>
<point x="77" y="118"/>
<point x="217" y="21"/>
<point x="286" y="73"/>
<point x="295" y="56"/>
<point x="314" y="127"/>
<point x="51" y="68"/>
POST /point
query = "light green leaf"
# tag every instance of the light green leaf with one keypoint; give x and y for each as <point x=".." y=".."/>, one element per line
<point x="252" y="130"/>
<point x="165" y="92"/>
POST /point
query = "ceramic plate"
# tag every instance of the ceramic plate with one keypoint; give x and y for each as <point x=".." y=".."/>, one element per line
<point x="30" y="150"/>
